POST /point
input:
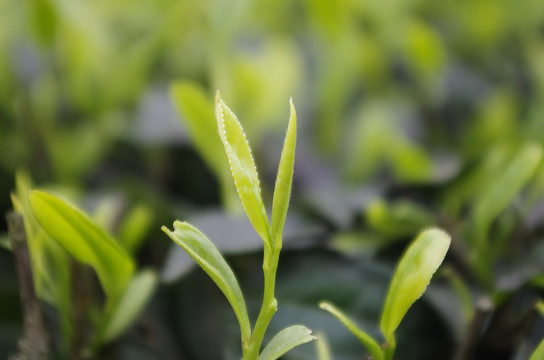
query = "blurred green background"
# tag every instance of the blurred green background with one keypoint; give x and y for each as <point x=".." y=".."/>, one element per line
<point x="410" y="113"/>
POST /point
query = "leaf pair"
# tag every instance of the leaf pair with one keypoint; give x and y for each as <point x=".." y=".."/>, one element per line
<point x="411" y="278"/>
<point x="245" y="174"/>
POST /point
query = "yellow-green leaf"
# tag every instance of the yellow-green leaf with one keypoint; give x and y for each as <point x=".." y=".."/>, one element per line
<point x="192" y="103"/>
<point x="372" y="346"/>
<point x="413" y="274"/>
<point x="284" y="179"/>
<point x="286" y="340"/>
<point x="538" y="354"/>
<point x="85" y="241"/>
<point x="139" y="291"/>
<point x="242" y="167"/>
<point x="505" y="188"/>
<point x="204" y="252"/>
<point x="135" y="227"/>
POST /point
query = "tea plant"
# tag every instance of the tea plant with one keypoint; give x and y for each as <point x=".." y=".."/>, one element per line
<point x="55" y="232"/>
<point x="204" y="252"/>
<point x="413" y="274"/>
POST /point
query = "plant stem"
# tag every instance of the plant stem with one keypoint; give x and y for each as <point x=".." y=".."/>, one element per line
<point x="389" y="348"/>
<point x="269" y="306"/>
<point x="35" y="343"/>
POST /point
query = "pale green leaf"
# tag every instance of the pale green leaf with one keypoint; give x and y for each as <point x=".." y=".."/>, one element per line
<point x="284" y="179"/>
<point x="138" y="293"/>
<point x="505" y="188"/>
<point x="322" y="347"/>
<point x="192" y="103"/>
<point x="85" y="241"/>
<point x="242" y="167"/>
<point x="368" y="342"/>
<point x="204" y="252"/>
<point x="538" y="354"/>
<point x="540" y="307"/>
<point x="135" y="227"/>
<point x="286" y="340"/>
<point x="413" y="274"/>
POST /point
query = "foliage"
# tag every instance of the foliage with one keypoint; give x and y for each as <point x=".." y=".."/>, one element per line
<point x="412" y="114"/>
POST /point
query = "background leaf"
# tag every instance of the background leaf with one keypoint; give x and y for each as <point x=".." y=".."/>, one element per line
<point x="139" y="291"/>
<point x="505" y="188"/>
<point x="191" y="101"/>
<point x="285" y="340"/>
<point x="413" y="274"/>
<point x="85" y="241"/>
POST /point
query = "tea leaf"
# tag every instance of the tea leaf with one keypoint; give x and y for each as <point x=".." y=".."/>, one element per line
<point x="242" y="167"/>
<point x="505" y="188"/>
<point x="286" y="340"/>
<point x="134" y="228"/>
<point x="372" y="346"/>
<point x="539" y="352"/>
<point x="191" y="101"/>
<point x="413" y="274"/>
<point x="204" y="252"/>
<point x="139" y="291"/>
<point x="284" y="179"/>
<point x="322" y="348"/>
<point x="85" y="241"/>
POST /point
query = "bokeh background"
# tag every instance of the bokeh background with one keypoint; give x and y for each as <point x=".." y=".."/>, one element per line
<point x="408" y="111"/>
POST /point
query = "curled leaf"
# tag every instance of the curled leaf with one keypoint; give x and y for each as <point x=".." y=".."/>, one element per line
<point x="204" y="252"/>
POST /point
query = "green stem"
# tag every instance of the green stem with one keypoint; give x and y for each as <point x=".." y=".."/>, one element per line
<point x="389" y="348"/>
<point x="269" y="306"/>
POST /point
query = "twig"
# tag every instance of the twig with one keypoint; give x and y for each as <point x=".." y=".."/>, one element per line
<point x="34" y="345"/>
<point x="484" y="307"/>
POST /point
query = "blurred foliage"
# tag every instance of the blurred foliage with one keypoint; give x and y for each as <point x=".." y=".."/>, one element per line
<point x="411" y="113"/>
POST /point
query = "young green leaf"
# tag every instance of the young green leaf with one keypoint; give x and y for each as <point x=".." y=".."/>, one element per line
<point x="322" y="347"/>
<point x="85" y="241"/>
<point x="372" y="346"/>
<point x="286" y="340"/>
<point x="204" y="252"/>
<point x="191" y="101"/>
<point x="242" y="167"/>
<point x="284" y="179"/>
<point x="413" y="274"/>
<point x="135" y="227"/>
<point x="538" y="354"/>
<point x="500" y="193"/>
<point x="139" y="291"/>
